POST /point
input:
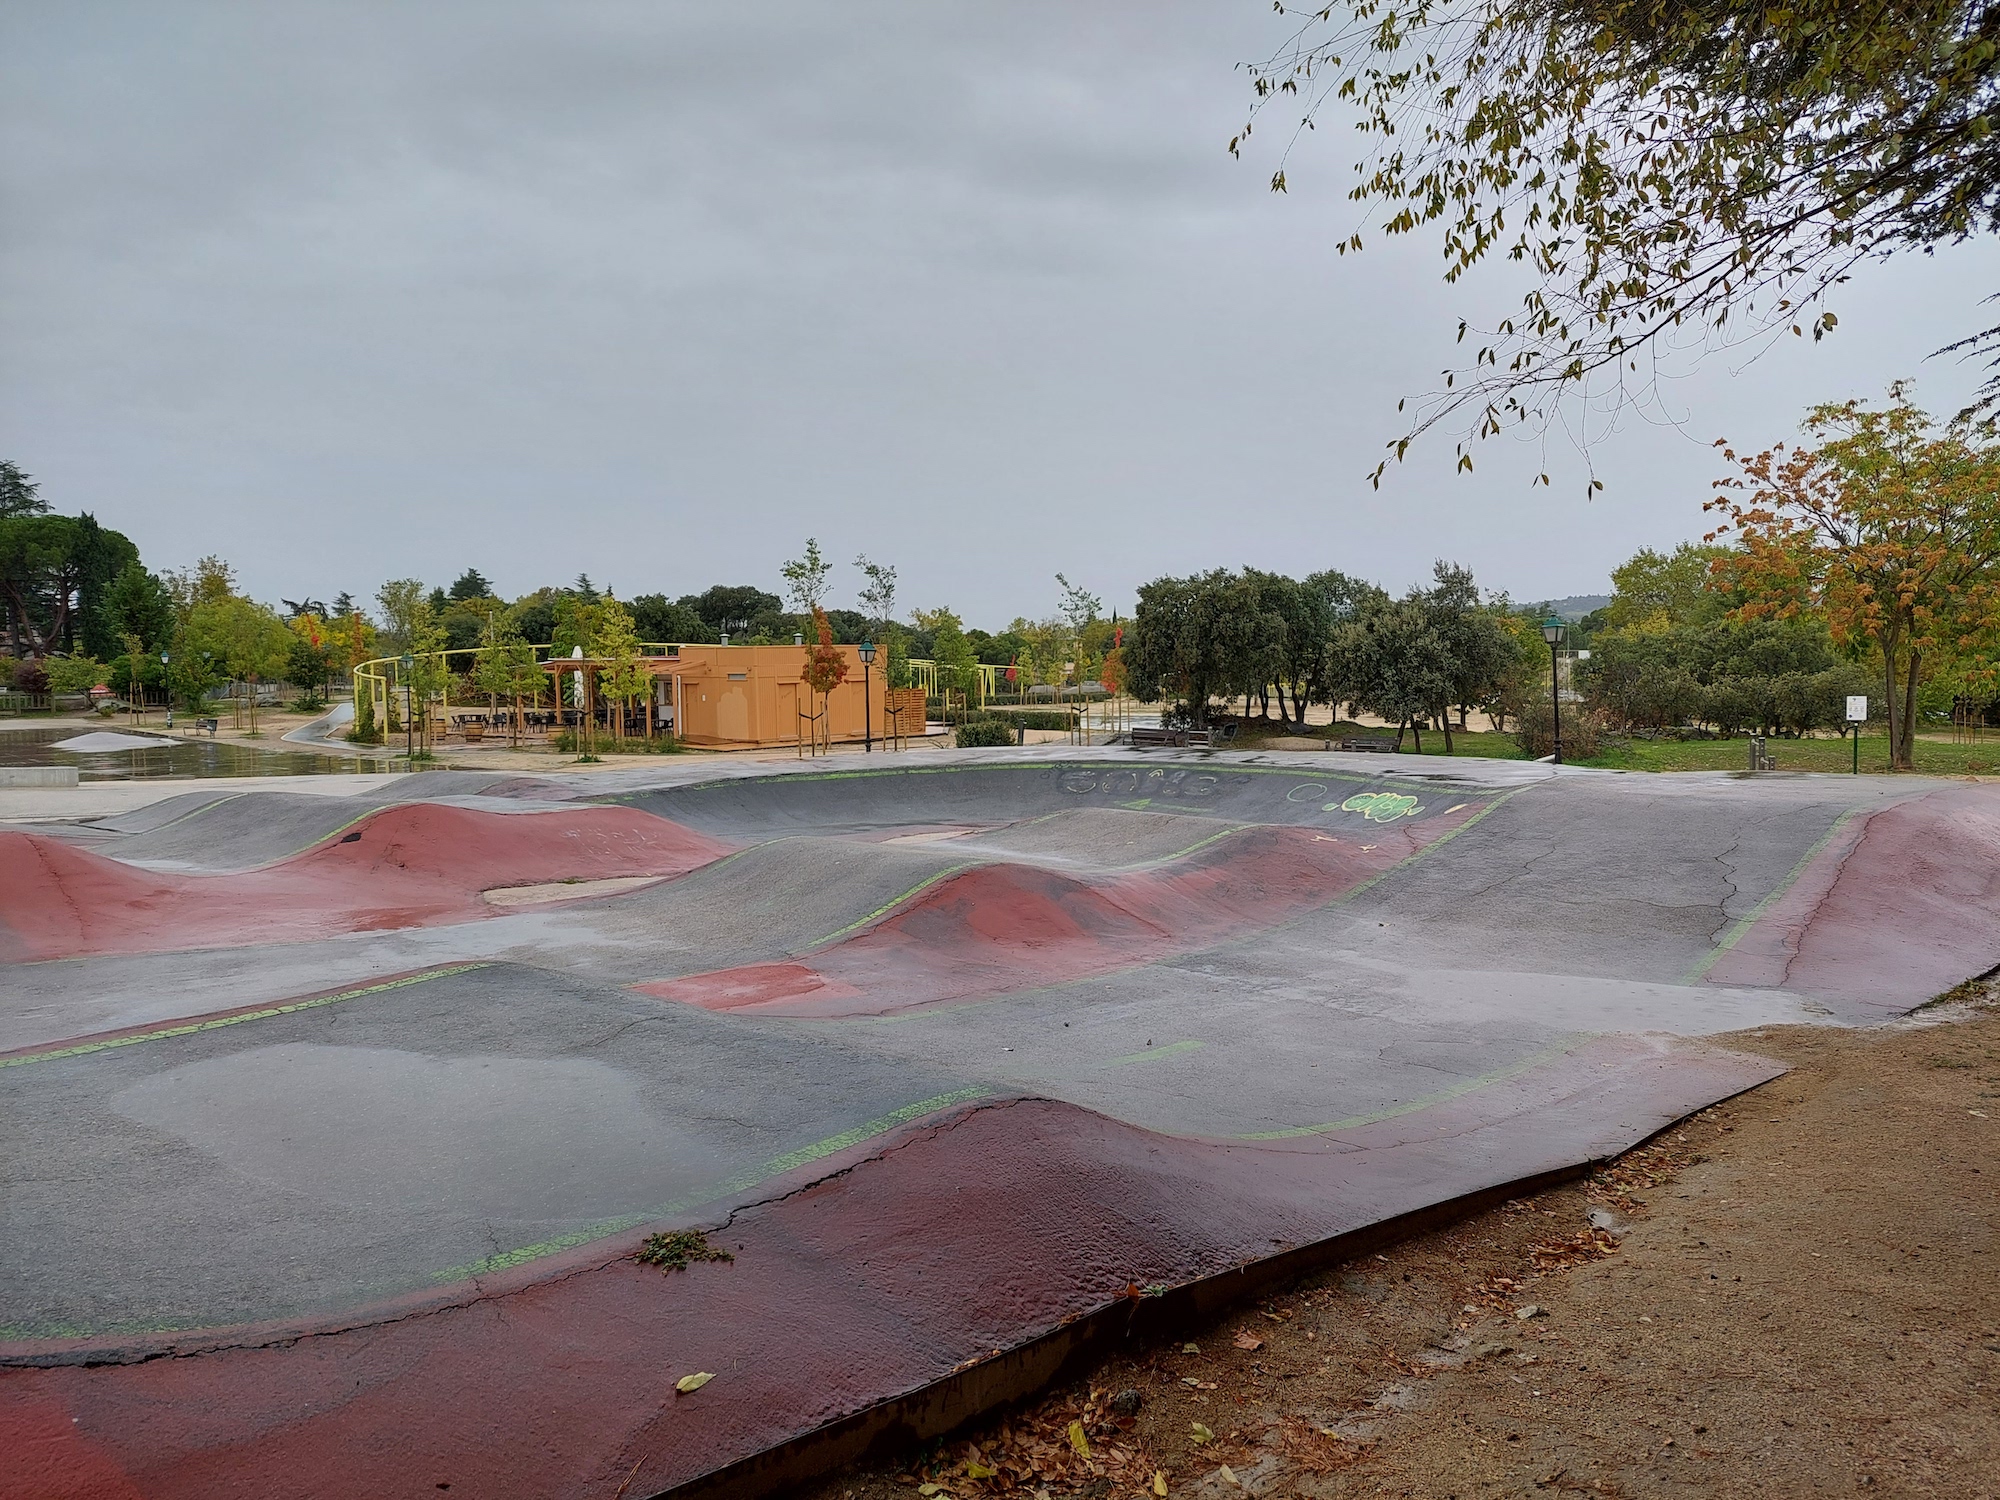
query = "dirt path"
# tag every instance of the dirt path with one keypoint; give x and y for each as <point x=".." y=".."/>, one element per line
<point x="1795" y="1293"/>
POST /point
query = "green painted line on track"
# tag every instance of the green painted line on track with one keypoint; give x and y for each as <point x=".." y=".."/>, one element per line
<point x="739" y="1182"/>
<point x="890" y="905"/>
<point x="84" y="1049"/>
<point x="1172" y="1049"/>
<point x="1500" y="1075"/>
<point x="1744" y="923"/>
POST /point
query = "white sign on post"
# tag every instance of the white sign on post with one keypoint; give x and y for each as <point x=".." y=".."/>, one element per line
<point x="1857" y="709"/>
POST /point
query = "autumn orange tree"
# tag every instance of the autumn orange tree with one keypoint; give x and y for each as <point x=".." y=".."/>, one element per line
<point x="1886" y="525"/>
<point x="825" y="670"/>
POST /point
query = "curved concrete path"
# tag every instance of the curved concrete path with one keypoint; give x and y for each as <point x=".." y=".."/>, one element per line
<point x="957" y="1055"/>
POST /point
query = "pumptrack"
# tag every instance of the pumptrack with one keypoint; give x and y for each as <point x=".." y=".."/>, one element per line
<point x="328" y="1166"/>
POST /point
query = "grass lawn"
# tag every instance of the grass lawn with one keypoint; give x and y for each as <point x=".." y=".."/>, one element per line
<point x="1935" y="757"/>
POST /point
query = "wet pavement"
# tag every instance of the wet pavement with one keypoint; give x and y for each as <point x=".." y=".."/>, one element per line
<point x="273" y="1066"/>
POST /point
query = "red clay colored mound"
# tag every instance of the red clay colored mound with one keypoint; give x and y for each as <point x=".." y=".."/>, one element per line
<point x="861" y="1278"/>
<point x="1888" y="919"/>
<point x="1009" y="927"/>
<point x="411" y="866"/>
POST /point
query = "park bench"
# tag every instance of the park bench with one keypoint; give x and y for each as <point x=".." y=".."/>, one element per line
<point x="206" y="724"/>
<point x="1370" y="745"/>
<point x="1191" y="739"/>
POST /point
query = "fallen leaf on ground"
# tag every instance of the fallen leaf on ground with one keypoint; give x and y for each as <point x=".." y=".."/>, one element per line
<point x="977" y="1470"/>
<point x="693" y="1382"/>
<point x="1229" y="1476"/>
<point x="1078" y="1441"/>
<point x="1159" y="1481"/>
<point x="1190" y="1348"/>
<point x="1201" y="1433"/>
<point x="1245" y="1339"/>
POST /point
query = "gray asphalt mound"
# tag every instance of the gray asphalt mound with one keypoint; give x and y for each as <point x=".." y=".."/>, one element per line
<point x="212" y="834"/>
<point x="1105" y="838"/>
<point x="420" y="786"/>
<point x="386" y="1143"/>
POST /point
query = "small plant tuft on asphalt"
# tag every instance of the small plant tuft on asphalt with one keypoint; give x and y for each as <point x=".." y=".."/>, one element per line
<point x="678" y="1249"/>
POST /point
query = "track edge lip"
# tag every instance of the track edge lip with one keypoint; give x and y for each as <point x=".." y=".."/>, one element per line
<point x="941" y="1406"/>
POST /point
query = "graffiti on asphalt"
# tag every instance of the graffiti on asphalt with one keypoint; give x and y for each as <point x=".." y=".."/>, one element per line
<point x="1377" y="807"/>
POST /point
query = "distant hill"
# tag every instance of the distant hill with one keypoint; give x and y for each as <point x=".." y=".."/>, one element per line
<point x="1575" y="607"/>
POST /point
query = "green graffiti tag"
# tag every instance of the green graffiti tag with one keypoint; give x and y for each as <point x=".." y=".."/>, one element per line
<point x="1377" y="807"/>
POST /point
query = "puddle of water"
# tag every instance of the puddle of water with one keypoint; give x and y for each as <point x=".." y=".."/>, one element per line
<point x="22" y="745"/>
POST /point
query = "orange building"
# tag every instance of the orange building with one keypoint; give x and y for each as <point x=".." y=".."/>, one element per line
<point x="751" y="695"/>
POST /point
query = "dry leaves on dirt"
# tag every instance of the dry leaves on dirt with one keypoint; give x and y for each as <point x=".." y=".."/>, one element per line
<point x="1317" y="1450"/>
<point x="1062" y="1442"/>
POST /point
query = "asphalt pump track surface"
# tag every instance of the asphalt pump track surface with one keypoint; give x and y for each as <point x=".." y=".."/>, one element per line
<point x="335" y="1124"/>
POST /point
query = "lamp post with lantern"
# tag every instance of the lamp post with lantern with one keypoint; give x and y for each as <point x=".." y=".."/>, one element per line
<point x="1555" y="633"/>
<point x="867" y="698"/>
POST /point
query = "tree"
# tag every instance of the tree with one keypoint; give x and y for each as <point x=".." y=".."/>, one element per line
<point x="237" y="637"/>
<point x="578" y="622"/>
<point x="429" y="677"/>
<point x="471" y="584"/>
<point x="54" y="570"/>
<point x="1663" y="169"/>
<point x="878" y="597"/>
<point x="19" y="495"/>
<point x="309" y="661"/>
<point x="622" y="677"/>
<point x="730" y="610"/>
<point x="951" y="654"/>
<point x="1658" y="588"/>
<point x="659" y="619"/>
<point x="1477" y="653"/>
<point x="1049" y="651"/>
<point x="1181" y="641"/>
<point x="1889" y="528"/>
<point x="402" y="603"/>
<point x="1401" y="663"/>
<point x="1344" y="601"/>
<point x="507" y="669"/>
<point x="209" y="581"/>
<point x="136" y="603"/>
<point x="825" y="669"/>
<point x="806" y="580"/>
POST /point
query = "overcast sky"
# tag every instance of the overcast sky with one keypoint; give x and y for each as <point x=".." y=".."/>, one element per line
<point x="653" y="291"/>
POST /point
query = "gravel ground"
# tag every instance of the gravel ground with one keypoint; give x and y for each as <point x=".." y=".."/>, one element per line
<point x="1793" y="1293"/>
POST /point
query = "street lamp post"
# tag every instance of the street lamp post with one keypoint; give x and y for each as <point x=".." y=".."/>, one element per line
<point x="166" y="688"/>
<point x="1554" y="632"/>
<point x="867" y="698"/>
<point x="405" y="662"/>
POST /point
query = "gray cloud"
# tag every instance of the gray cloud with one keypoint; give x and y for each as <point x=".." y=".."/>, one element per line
<point x="354" y="291"/>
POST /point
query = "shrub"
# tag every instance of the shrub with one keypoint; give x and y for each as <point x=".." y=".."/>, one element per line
<point x="983" y="732"/>
<point x="1582" y="731"/>
<point x="601" y="741"/>
<point x="29" y="677"/>
<point x="1033" y="718"/>
<point x="75" y="674"/>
